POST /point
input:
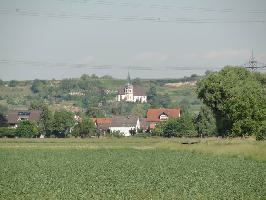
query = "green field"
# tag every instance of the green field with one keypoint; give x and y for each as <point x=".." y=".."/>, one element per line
<point x="132" y="168"/>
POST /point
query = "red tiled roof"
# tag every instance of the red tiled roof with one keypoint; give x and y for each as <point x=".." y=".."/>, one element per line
<point x="103" y="123"/>
<point x="102" y="120"/>
<point x="153" y="115"/>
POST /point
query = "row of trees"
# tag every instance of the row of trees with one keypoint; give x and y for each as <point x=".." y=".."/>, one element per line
<point x="52" y="124"/>
<point x="235" y="106"/>
<point x="203" y="125"/>
<point x="62" y="123"/>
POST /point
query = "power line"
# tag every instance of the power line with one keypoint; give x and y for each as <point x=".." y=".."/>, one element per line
<point x="164" y="6"/>
<point x="92" y="16"/>
<point x="104" y="66"/>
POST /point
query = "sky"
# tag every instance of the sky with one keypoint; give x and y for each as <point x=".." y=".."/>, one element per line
<point x="150" y="39"/>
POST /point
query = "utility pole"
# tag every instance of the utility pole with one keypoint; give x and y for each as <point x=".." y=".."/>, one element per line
<point x="253" y="64"/>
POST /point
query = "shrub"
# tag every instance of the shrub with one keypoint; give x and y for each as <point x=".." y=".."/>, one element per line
<point x="27" y="129"/>
<point x="7" y="132"/>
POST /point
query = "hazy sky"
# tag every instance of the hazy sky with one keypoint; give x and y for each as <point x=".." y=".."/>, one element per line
<point x="152" y="38"/>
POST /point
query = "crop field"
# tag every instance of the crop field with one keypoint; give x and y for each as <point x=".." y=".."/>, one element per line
<point x="132" y="168"/>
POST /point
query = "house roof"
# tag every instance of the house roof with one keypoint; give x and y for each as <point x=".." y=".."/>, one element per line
<point x="138" y="91"/>
<point x="153" y="115"/>
<point x="14" y="115"/>
<point x="103" y="123"/>
<point x="122" y="121"/>
<point x="121" y="91"/>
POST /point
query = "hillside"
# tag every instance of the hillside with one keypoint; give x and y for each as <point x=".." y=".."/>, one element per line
<point x="96" y="95"/>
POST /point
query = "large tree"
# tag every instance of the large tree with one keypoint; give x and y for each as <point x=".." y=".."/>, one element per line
<point x="63" y="122"/>
<point x="205" y="122"/>
<point x="47" y="120"/>
<point x="238" y="100"/>
<point x="85" y="128"/>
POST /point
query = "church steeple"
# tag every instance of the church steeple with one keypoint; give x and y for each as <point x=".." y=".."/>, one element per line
<point x="128" y="78"/>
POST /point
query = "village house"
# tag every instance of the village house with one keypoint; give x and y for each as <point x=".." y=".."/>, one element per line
<point x="162" y="114"/>
<point x="102" y="124"/>
<point x="125" y="125"/>
<point x="15" y="116"/>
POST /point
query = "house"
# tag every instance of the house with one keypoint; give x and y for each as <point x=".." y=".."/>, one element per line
<point x="125" y="124"/>
<point x="157" y="115"/>
<point x="103" y="124"/>
<point x="15" y="116"/>
<point x="131" y="93"/>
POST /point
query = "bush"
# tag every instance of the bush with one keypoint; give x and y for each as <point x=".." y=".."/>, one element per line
<point x="178" y="127"/>
<point x="7" y="132"/>
<point x="27" y="129"/>
<point x="116" y="134"/>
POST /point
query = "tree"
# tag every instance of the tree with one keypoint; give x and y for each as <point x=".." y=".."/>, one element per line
<point x="47" y="121"/>
<point x="13" y="83"/>
<point x="205" y="122"/>
<point x="2" y="82"/>
<point x="237" y="99"/>
<point x="37" y="86"/>
<point x="176" y="127"/>
<point x="152" y="94"/>
<point x="95" y="112"/>
<point x="85" y="128"/>
<point x="27" y="129"/>
<point x="184" y="106"/>
<point x="3" y="109"/>
<point x="164" y="100"/>
<point x="62" y="123"/>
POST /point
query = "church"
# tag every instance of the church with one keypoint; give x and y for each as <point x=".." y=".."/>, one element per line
<point x="131" y="93"/>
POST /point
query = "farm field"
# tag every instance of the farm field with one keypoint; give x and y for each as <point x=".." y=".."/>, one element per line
<point x="132" y="168"/>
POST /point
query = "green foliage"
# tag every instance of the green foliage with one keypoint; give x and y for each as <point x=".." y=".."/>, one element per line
<point x="62" y="123"/>
<point x="205" y="122"/>
<point x="27" y="129"/>
<point x="176" y="127"/>
<point x="38" y="86"/>
<point x="86" y="128"/>
<point x="158" y="100"/>
<point x="237" y="99"/>
<point x="78" y="173"/>
<point x="184" y="106"/>
<point x="13" y="83"/>
<point x="7" y="132"/>
<point x="94" y="112"/>
<point x="152" y="94"/>
<point x="261" y="132"/>
<point x="3" y="109"/>
<point x="116" y="134"/>
<point x="46" y="122"/>
<point x="2" y="82"/>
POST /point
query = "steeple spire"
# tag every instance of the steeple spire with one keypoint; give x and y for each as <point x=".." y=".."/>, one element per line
<point x="128" y="78"/>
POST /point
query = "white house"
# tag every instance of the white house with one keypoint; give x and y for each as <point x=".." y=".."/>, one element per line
<point x="125" y="124"/>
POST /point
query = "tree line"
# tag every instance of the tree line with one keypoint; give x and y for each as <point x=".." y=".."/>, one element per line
<point x="234" y="106"/>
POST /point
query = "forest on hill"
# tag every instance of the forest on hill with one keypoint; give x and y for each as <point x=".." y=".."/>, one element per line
<point x="96" y="95"/>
